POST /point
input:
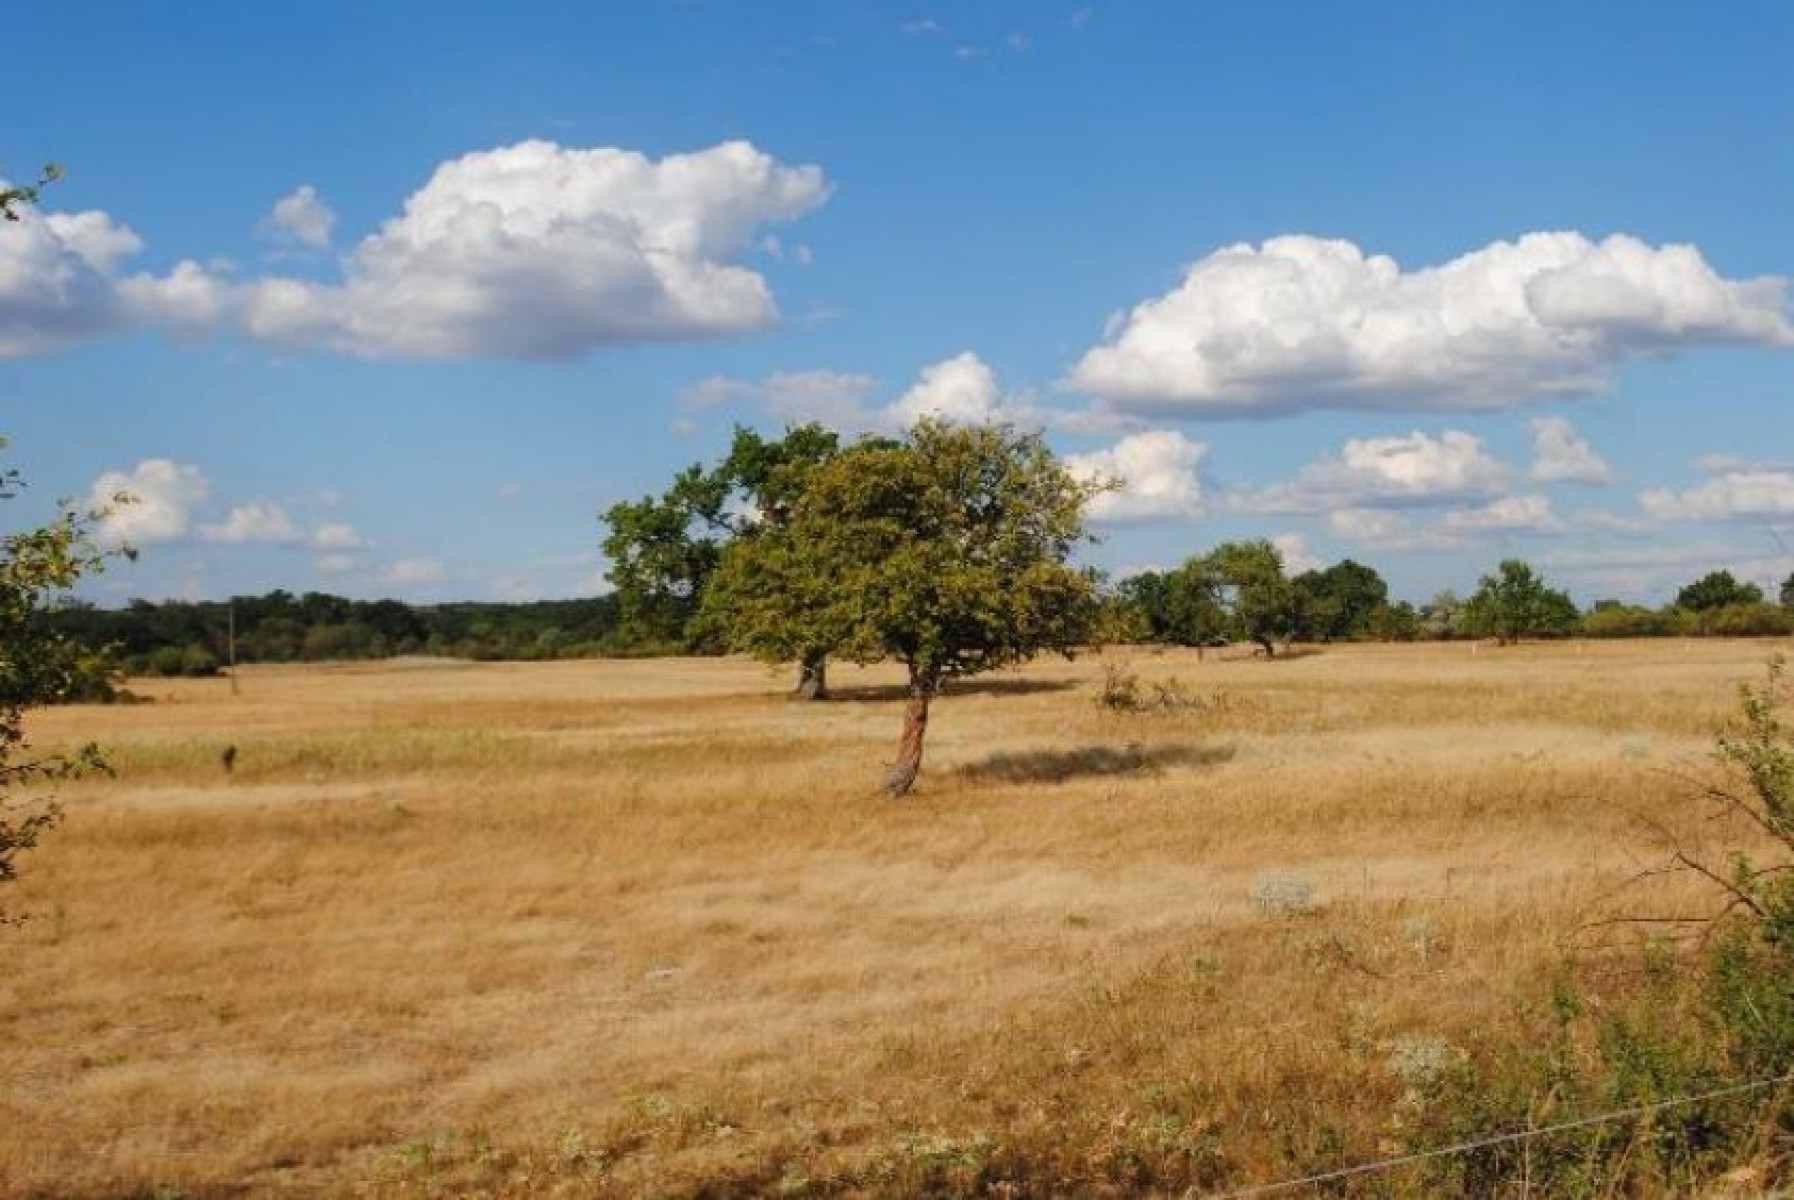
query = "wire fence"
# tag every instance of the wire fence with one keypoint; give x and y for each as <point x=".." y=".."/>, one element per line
<point x="1500" y="1139"/>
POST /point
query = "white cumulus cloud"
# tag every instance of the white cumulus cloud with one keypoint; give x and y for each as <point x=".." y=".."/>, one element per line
<point x="1159" y="474"/>
<point x="962" y="389"/>
<point x="1370" y="526"/>
<point x="1559" y="456"/>
<point x="1303" y="323"/>
<point x="302" y="216"/>
<point x="1297" y="557"/>
<point x="1739" y="491"/>
<point x="1509" y="514"/>
<point x="538" y="251"/>
<point x="260" y="521"/>
<point x="1411" y="469"/>
<point x="163" y="494"/>
<point x="531" y="251"/>
<point x="56" y="279"/>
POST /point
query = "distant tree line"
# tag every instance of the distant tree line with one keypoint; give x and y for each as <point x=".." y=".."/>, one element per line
<point x="665" y="552"/>
<point x="180" y="637"/>
<point x="1240" y="592"/>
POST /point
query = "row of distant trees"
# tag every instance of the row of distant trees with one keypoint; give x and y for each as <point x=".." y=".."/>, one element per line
<point x="1240" y="592"/>
<point x="196" y="638"/>
<point x="666" y="550"/>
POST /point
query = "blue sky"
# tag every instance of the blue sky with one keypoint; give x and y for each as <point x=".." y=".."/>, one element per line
<point x="394" y="299"/>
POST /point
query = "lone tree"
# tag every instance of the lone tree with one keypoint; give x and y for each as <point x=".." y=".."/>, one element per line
<point x="946" y="551"/>
<point x="663" y="549"/>
<point x="1515" y="602"/>
<point x="38" y="664"/>
<point x="1254" y="591"/>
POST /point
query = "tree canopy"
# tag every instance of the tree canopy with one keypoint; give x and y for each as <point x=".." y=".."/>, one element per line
<point x="663" y="549"/>
<point x="1338" y="602"/>
<point x="1253" y="589"/>
<point x="1515" y="602"/>
<point x="1717" y="589"/>
<point x="946" y="551"/>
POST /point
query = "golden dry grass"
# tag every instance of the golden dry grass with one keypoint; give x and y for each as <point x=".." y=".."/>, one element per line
<point x="643" y="927"/>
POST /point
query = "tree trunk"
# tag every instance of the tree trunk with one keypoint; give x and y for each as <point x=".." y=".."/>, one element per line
<point x="812" y="680"/>
<point x="903" y="772"/>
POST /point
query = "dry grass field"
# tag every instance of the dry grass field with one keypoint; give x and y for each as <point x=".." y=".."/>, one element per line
<point x="644" y="928"/>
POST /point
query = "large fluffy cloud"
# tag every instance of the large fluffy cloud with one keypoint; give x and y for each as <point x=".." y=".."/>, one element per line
<point x="532" y="251"/>
<point x="538" y="251"/>
<point x="1413" y="469"/>
<point x="1158" y="475"/>
<point x="1301" y="323"/>
<point x="56" y="282"/>
<point x="163" y="495"/>
<point x="962" y="389"/>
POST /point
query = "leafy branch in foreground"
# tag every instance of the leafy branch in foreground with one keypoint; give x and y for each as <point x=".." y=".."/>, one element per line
<point x="1755" y="789"/>
<point x="38" y="664"/>
<point x="15" y="197"/>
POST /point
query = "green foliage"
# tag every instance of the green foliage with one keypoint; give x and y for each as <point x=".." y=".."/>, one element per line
<point x="1442" y="617"/>
<point x="1515" y="603"/>
<point x="1181" y="607"/>
<point x="180" y="637"/>
<point x="1260" y="602"/>
<point x="1396" y="622"/>
<point x="1177" y="607"/>
<point x="173" y="662"/>
<point x="663" y="549"/>
<point x="1717" y="589"/>
<point x="1611" y="619"/>
<point x="1337" y="604"/>
<point x="945" y="551"/>
<point x="1120" y="621"/>
<point x="1759" y="752"/>
<point x="1756" y="619"/>
<point x="38" y="664"/>
<point x="16" y="197"/>
<point x="1699" y="1040"/>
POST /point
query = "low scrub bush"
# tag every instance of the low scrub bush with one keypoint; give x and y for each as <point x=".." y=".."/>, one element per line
<point x="1681" y="1074"/>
